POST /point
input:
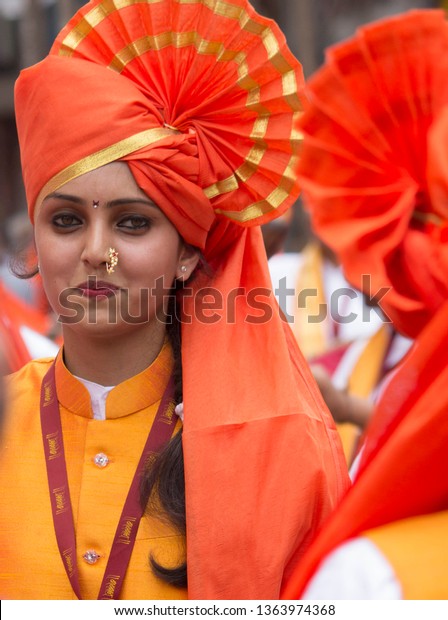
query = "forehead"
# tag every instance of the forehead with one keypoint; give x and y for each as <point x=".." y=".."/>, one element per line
<point x="112" y="180"/>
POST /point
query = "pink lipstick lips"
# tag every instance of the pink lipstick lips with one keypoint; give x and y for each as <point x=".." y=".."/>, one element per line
<point x="97" y="288"/>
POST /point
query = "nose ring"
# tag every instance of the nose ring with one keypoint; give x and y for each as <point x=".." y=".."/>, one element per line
<point x="113" y="261"/>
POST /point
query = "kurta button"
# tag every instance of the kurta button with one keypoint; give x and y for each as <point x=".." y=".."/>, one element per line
<point x="91" y="556"/>
<point x="101" y="460"/>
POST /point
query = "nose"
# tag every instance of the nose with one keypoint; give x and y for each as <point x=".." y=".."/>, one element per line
<point x="97" y="241"/>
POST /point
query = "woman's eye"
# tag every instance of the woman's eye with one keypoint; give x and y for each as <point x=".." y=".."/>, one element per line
<point x="134" y="222"/>
<point x="66" y="220"/>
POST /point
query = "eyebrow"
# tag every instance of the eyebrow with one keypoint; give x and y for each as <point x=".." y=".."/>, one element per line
<point x="112" y="203"/>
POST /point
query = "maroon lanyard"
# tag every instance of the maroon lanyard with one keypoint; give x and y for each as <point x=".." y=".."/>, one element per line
<point x="125" y="535"/>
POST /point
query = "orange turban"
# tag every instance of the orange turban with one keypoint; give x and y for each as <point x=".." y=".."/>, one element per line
<point x="200" y="98"/>
<point x="224" y="122"/>
<point x="372" y="171"/>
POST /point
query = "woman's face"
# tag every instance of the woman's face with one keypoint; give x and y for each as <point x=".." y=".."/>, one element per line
<point x="74" y="229"/>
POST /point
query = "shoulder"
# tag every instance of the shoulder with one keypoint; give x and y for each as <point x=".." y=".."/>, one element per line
<point x="21" y="421"/>
<point x="355" y="570"/>
<point x="36" y="367"/>
<point x="27" y="379"/>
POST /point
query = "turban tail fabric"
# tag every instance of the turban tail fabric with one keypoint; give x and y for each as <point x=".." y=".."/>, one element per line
<point x="375" y="172"/>
<point x="200" y="98"/>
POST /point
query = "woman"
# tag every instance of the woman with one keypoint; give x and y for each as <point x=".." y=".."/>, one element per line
<point x="377" y="188"/>
<point x="142" y="179"/>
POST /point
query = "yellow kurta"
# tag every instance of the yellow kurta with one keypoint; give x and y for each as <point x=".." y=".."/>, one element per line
<point x="30" y="563"/>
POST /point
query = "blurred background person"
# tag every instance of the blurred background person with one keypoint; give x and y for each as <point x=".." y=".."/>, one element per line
<point x="374" y="169"/>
